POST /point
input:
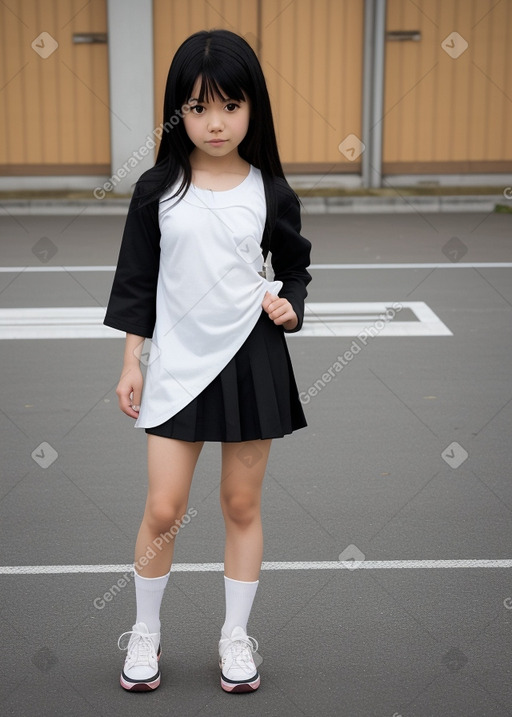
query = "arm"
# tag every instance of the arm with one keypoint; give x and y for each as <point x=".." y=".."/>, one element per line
<point x="290" y="259"/>
<point x="132" y="303"/>
<point x="129" y="388"/>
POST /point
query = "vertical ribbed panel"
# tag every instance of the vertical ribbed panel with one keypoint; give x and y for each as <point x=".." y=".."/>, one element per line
<point x="311" y="53"/>
<point x="438" y="109"/>
<point x="441" y="108"/>
<point x="54" y="109"/>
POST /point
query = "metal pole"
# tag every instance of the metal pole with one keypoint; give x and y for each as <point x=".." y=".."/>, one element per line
<point x="366" y="110"/>
<point x="377" y="94"/>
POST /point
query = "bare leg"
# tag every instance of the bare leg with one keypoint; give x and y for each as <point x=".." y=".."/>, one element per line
<point x="243" y="469"/>
<point x="171" y="465"/>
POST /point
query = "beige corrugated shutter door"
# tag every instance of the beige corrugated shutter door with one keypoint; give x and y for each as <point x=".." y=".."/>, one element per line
<point x="448" y="97"/>
<point x="54" y="92"/>
<point x="312" y="53"/>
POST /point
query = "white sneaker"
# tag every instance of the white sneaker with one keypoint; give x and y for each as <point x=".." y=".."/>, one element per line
<point x="140" y="672"/>
<point x="238" y="671"/>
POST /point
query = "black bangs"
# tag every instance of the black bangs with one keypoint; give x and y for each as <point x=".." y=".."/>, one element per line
<point x="222" y="76"/>
<point x="211" y="89"/>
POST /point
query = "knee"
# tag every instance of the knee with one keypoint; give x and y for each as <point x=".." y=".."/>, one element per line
<point x="240" y="508"/>
<point x="162" y="515"/>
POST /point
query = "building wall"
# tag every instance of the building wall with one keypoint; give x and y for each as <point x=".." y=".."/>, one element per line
<point x="55" y="94"/>
<point x="445" y="111"/>
<point x="447" y="98"/>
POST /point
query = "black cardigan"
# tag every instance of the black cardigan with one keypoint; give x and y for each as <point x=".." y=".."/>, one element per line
<point x="132" y="304"/>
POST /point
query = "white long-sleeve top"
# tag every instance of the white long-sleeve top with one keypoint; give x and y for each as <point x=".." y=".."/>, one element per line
<point x="209" y="291"/>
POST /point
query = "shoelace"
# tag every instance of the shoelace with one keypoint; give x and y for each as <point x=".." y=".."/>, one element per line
<point x="141" y="650"/>
<point x="241" y="649"/>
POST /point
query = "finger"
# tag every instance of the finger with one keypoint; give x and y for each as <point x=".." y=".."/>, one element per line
<point x="281" y="318"/>
<point x="134" y="406"/>
<point x="267" y="300"/>
<point x="276" y="304"/>
<point x="278" y="308"/>
<point x="128" y="405"/>
<point x="136" y="398"/>
<point x="283" y="314"/>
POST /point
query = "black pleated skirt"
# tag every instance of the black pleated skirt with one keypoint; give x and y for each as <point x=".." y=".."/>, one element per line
<point x="254" y="397"/>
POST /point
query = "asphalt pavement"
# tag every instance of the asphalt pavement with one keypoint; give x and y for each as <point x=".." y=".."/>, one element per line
<point x="387" y="587"/>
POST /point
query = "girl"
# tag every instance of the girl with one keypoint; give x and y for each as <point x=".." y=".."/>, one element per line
<point x="190" y="275"/>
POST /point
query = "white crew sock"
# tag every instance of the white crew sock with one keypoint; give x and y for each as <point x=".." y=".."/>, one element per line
<point x="148" y="594"/>
<point x="239" y="599"/>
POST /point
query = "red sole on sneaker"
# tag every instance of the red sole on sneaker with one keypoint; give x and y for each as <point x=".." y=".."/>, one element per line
<point x="240" y="686"/>
<point x="140" y="686"/>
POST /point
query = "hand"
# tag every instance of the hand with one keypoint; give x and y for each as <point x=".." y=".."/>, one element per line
<point x="280" y="311"/>
<point x="129" y="391"/>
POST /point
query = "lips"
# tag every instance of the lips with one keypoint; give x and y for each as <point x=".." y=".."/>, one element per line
<point x="216" y="141"/>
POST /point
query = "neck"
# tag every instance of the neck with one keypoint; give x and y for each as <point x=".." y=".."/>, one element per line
<point x="231" y="164"/>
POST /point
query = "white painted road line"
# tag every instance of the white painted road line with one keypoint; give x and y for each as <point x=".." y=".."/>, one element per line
<point x="76" y="322"/>
<point x="443" y="265"/>
<point x="366" y="319"/>
<point x="50" y="269"/>
<point x="369" y="319"/>
<point x="218" y="567"/>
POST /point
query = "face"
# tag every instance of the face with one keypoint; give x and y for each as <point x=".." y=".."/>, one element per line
<point x="218" y="126"/>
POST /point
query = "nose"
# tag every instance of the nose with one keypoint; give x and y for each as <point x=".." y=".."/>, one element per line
<point x="215" y="122"/>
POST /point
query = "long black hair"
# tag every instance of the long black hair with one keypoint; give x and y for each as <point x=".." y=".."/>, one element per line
<point x="228" y="68"/>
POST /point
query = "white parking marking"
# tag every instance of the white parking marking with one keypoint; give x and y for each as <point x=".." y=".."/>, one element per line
<point x="367" y="319"/>
<point x="442" y="265"/>
<point x="218" y="567"/>
<point x="370" y="319"/>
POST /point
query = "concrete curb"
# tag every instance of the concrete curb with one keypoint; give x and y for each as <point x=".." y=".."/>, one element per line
<point x="88" y="207"/>
<point x="311" y="205"/>
<point x="401" y="204"/>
